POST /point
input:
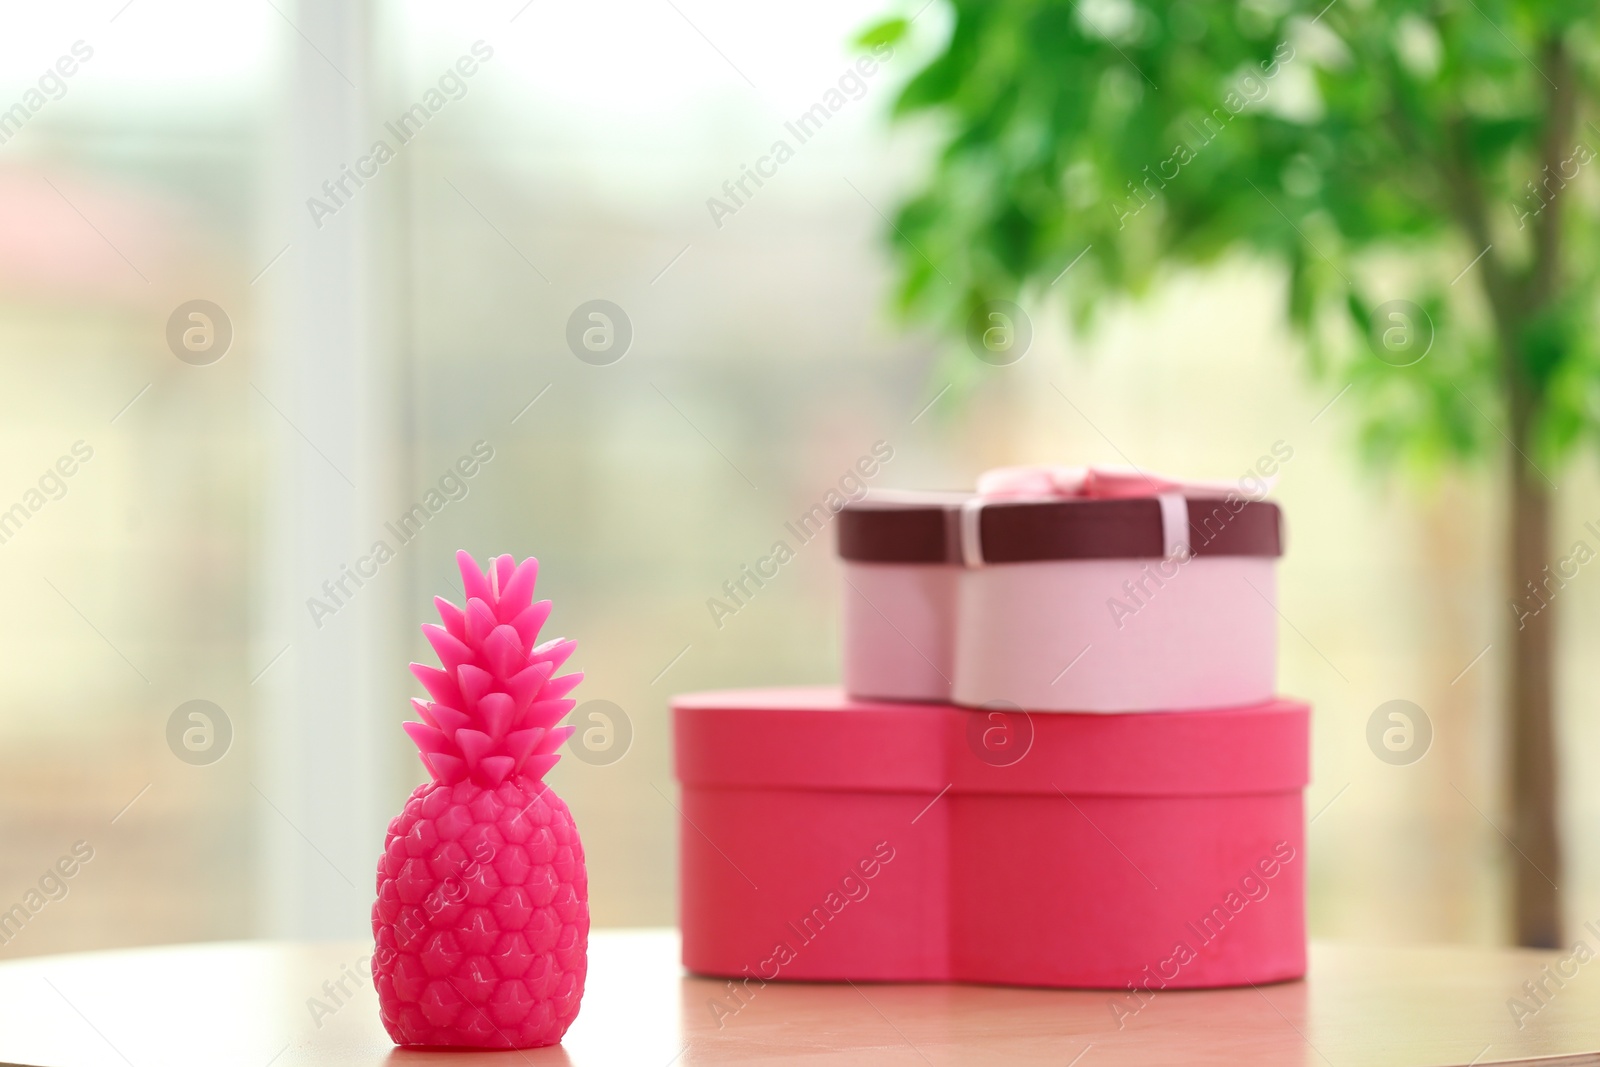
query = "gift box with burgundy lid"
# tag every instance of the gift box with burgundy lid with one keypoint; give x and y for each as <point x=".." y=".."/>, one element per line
<point x="1057" y="759"/>
<point x="1062" y="589"/>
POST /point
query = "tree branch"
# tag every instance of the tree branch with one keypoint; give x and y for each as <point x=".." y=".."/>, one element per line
<point x="1464" y="194"/>
<point x="1562" y="111"/>
<point x="1467" y="201"/>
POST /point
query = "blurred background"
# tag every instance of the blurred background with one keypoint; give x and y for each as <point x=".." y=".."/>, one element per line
<point x="380" y="337"/>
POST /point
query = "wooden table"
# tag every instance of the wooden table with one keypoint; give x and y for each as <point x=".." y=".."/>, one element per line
<point x="245" y="1004"/>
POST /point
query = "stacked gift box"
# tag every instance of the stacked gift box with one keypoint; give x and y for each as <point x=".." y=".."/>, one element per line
<point x="1057" y="758"/>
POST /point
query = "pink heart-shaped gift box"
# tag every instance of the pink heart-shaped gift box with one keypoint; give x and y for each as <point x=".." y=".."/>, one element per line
<point x="825" y="838"/>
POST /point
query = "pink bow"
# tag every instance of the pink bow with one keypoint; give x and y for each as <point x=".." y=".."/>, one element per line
<point x="1049" y="482"/>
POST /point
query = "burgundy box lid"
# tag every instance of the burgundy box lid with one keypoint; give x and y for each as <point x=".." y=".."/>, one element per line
<point x="887" y="527"/>
<point x="816" y="738"/>
<point x="898" y="526"/>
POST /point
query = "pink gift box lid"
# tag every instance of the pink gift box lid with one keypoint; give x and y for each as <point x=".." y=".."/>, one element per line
<point x="896" y="527"/>
<point x="817" y="738"/>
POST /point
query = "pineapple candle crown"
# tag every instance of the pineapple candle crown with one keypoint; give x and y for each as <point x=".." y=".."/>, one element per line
<point x="495" y="703"/>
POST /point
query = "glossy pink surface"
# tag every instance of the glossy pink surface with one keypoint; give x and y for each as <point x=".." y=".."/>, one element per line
<point x="482" y="917"/>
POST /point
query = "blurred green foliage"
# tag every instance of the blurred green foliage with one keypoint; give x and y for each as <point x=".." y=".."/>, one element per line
<point x="1373" y="150"/>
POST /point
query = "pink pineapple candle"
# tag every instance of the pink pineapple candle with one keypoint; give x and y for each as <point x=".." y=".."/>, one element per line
<point x="482" y="917"/>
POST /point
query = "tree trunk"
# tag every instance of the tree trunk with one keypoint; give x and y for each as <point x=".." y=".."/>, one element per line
<point x="1533" y="756"/>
